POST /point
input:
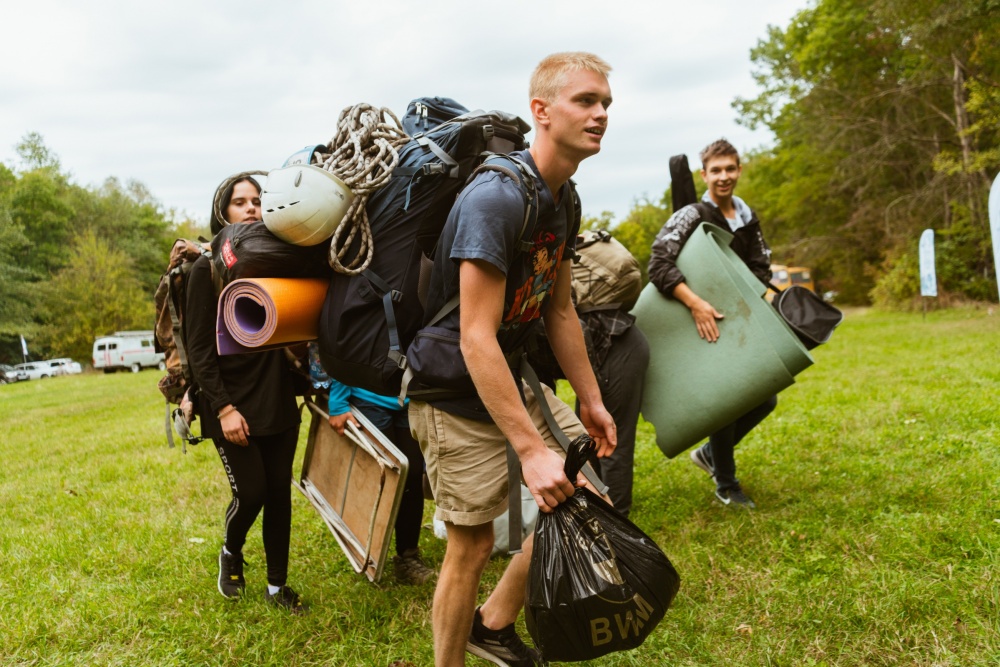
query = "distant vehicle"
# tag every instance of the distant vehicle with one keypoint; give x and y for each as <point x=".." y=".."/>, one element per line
<point x="9" y="374"/>
<point x="64" y="366"/>
<point x="34" y="370"/>
<point x="784" y="277"/>
<point x="133" y="350"/>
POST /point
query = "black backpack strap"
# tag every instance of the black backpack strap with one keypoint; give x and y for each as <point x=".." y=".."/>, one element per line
<point x="389" y="296"/>
<point x="449" y="165"/>
<point x="514" y="464"/>
<point x="514" y="535"/>
<point x="528" y="373"/>
<point x="519" y="172"/>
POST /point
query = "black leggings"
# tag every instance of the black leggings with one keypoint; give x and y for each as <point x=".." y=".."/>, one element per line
<point x="260" y="476"/>
<point x="722" y="443"/>
<point x="411" y="507"/>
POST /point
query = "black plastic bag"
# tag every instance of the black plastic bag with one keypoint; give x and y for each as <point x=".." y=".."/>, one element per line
<point x="596" y="583"/>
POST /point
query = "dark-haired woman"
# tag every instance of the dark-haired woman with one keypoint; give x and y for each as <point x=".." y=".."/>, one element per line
<point x="247" y="406"/>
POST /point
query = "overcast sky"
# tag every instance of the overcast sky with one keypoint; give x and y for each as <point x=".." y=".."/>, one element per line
<point x="179" y="94"/>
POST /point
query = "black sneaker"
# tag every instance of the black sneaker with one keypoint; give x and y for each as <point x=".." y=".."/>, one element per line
<point x="735" y="496"/>
<point x="288" y="599"/>
<point x="501" y="647"/>
<point x="231" y="583"/>
<point x="699" y="459"/>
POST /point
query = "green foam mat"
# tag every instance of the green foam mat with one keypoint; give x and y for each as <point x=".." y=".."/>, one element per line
<point x="693" y="388"/>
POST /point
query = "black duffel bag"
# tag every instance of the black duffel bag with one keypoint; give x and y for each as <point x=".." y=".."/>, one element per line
<point x="596" y="583"/>
<point x="812" y="319"/>
<point x="250" y="250"/>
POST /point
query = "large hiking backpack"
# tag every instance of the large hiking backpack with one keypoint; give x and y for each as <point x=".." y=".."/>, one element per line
<point x="605" y="274"/>
<point x="605" y="277"/>
<point x="369" y="320"/>
<point x="170" y="299"/>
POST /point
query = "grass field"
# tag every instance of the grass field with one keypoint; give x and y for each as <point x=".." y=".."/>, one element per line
<point x="876" y="541"/>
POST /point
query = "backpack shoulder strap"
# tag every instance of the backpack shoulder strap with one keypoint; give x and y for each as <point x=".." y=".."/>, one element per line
<point x="519" y="172"/>
<point x="577" y="205"/>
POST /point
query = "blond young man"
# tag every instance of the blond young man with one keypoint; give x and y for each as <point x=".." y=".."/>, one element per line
<point x="503" y="291"/>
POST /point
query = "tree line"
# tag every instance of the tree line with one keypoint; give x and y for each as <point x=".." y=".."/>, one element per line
<point x="886" y="115"/>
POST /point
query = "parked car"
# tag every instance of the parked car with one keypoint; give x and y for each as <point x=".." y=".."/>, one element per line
<point x="64" y="366"/>
<point x="34" y="370"/>
<point x="133" y="350"/>
<point x="9" y="374"/>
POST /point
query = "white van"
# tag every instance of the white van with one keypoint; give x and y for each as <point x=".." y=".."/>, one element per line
<point x="133" y="350"/>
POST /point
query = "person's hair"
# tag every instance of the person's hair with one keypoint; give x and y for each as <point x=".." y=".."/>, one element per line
<point x="718" y="148"/>
<point x="550" y="75"/>
<point x="224" y="194"/>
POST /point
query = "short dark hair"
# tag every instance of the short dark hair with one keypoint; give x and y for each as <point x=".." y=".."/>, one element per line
<point x="718" y="148"/>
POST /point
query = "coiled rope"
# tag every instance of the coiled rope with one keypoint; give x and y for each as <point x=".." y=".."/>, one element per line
<point x="362" y="154"/>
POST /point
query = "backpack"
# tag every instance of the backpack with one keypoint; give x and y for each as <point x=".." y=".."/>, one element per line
<point x="368" y="320"/>
<point x="170" y="299"/>
<point x="605" y="274"/>
<point x="251" y="250"/>
<point x="605" y="277"/>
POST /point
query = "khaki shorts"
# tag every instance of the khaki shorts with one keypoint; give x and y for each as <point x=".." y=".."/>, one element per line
<point x="467" y="459"/>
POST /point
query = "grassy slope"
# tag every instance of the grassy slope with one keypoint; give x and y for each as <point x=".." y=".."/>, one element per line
<point x="877" y="541"/>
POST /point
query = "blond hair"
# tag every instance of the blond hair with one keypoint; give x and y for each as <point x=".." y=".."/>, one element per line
<point x="550" y="75"/>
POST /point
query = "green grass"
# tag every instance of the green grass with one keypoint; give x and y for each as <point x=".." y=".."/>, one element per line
<point x="876" y="541"/>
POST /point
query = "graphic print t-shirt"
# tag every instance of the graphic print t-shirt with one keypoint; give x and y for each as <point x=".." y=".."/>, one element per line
<point x="485" y="224"/>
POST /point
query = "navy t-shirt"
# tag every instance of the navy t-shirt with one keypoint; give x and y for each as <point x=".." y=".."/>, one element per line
<point x="485" y="223"/>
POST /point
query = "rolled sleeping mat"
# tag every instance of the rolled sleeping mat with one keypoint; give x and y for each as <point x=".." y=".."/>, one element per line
<point x="693" y="388"/>
<point x="257" y="314"/>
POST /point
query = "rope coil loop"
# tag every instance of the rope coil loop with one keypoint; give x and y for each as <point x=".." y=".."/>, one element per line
<point x="363" y="154"/>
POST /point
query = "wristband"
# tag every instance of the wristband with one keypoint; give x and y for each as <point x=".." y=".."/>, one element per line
<point x="231" y="408"/>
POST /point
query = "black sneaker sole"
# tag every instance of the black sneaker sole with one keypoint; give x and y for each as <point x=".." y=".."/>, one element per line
<point x="485" y="654"/>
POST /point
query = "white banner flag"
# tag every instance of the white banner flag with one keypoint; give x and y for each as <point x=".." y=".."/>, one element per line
<point x="994" y="207"/>
<point x="24" y="346"/>
<point x="928" y="278"/>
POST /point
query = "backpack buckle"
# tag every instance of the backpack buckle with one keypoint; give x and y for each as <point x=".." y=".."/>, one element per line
<point x="396" y="296"/>
<point x="399" y="359"/>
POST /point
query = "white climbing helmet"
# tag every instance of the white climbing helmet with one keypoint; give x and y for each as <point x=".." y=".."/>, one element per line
<point x="303" y="204"/>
